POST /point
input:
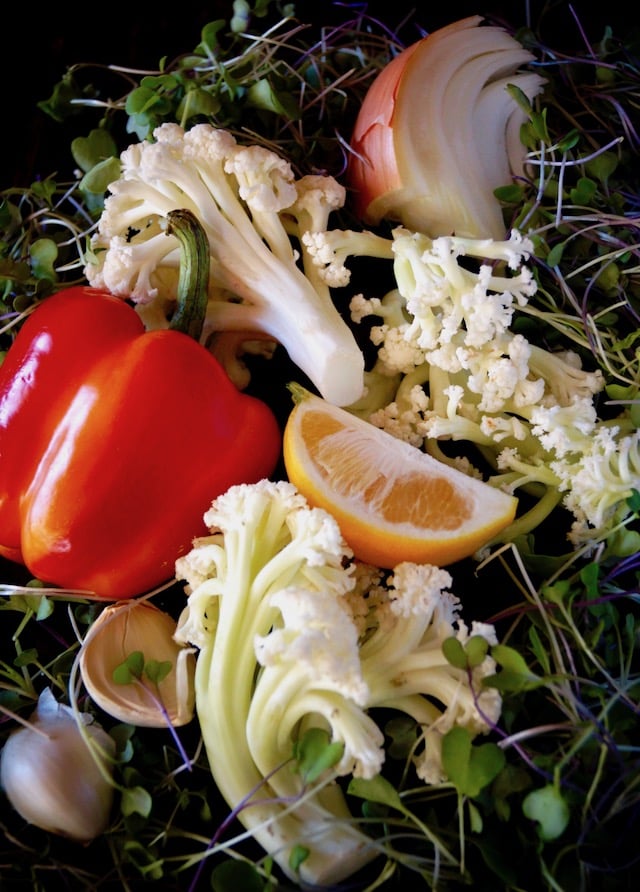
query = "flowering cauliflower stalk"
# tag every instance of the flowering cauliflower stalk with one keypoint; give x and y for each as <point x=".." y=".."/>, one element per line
<point x="449" y="366"/>
<point x="295" y="636"/>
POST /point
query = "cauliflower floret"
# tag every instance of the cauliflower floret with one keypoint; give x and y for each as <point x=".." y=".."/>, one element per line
<point x="531" y="411"/>
<point x="312" y="668"/>
<point x="398" y="352"/>
<point x="405" y="667"/>
<point x="501" y="376"/>
<point x="246" y="199"/>
<point x="598" y="481"/>
<point x="330" y="249"/>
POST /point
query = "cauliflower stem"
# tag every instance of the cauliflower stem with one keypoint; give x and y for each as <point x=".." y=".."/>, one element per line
<point x="294" y="635"/>
<point x="255" y="214"/>
<point x="267" y="542"/>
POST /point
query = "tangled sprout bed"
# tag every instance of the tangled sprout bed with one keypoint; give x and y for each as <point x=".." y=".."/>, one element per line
<point x="562" y="813"/>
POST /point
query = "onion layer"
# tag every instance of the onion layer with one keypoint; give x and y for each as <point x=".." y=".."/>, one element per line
<point x="438" y="131"/>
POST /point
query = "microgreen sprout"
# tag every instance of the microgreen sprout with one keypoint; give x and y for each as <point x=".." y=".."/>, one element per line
<point x="149" y="673"/>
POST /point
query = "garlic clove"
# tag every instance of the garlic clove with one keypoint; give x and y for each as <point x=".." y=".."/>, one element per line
<point x="137" y="626"/>
<point x="57" y="771"/>
<point x="438" y="132"/>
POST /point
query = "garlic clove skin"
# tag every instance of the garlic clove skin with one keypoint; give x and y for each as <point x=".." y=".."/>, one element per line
<point x="126" y="627"/>
<point x="438" y="132"/>
<point x="58" y="776"/>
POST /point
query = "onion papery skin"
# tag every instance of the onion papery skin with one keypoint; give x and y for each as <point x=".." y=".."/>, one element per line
<point x="438" y="132"/>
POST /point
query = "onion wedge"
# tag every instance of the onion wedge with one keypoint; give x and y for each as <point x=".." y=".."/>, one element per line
<point x="438" y="131"/>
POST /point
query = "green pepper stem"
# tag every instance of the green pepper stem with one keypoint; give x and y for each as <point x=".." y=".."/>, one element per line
<point x="193" y="278"/>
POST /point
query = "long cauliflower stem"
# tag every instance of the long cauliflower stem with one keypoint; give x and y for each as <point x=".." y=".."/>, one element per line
<point x="294" y="635"/>
<point x="255" y="213"/>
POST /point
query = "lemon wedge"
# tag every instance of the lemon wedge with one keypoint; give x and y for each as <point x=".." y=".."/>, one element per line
<point x="392" y="501"/>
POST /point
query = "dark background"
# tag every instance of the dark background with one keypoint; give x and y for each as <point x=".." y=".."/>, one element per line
<point x="40" y="43"/>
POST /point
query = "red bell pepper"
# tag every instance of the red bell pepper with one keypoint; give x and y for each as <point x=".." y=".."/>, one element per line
<point x="114" y="441"/>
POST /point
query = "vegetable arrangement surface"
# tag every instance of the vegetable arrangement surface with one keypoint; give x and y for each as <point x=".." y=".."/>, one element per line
<point x="283" y="693"/>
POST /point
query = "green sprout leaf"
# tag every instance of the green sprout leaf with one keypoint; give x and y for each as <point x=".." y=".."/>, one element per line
<point x="136" y="800"/>
<point x="156" y="670"/>
<point x="150" y="103"/>
<point x="232" y="875"/>
<point x="90" y="150"/>
<point x="590" y="578"/>
<point x="145" y="859"/>
<point x="151" y="95"/>
<point x="123" y="736"/>
<point x="602" y="166"/>
<point x="38" y="606"/>
<point x="197" y="102"/>
<point x="376" y="789"/>
<point x="554" y="257"/>
<point x="61" y="104"/>
<point x="549" y="809"/>
<point x="132" y="668"/>
<point x="569" y="141"/>
<point x="315" y="754"/>
<point x="511" y="194"/>
<point x="515" y="675"/>
<point x="584" y="191"/>
<point x="634" y="501"/>
<point x="263" y="95"/>
<point x="26" y="657"/>
<point x="470" y="768"/>
<point x="9" y="215"/>
<point x="512" y="780"/>
<point x="298" y="856"/>
<point x="454" y="652"/>
<point x="476" y="648"/>
<point x="624" y="542"/>
<point x="44" y="254"/>
<point x="209" y="37"/>
<point x="100" y="176"/>
<point x="467" y="655"/>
